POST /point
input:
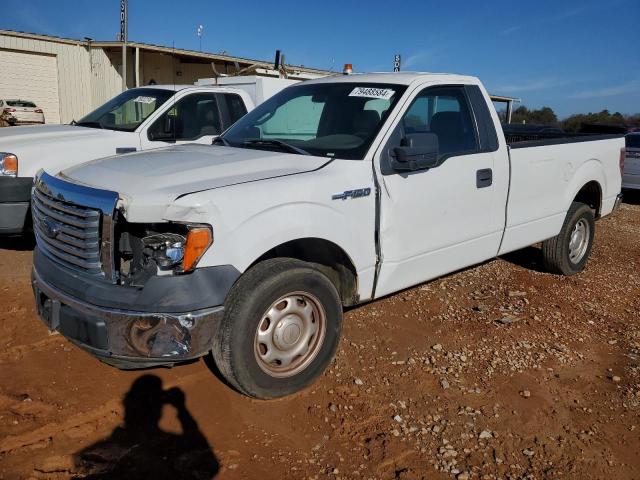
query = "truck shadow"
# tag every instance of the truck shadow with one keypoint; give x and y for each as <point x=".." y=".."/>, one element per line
<point x="19" y="243"/>
<point x="141" y="449"/>
<point x="631" y="197"/>
<point x="529" y="258"/>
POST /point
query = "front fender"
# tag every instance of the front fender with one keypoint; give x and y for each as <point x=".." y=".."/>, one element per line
<point x="250" y="219"/>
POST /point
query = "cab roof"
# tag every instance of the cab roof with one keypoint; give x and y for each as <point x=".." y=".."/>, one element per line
<point x="399" y="78"/>
<point x="178" y="88"/>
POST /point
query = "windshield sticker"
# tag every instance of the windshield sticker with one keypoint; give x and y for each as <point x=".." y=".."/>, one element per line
<point x="369" y="92"/>
<point x="143" y="99"/>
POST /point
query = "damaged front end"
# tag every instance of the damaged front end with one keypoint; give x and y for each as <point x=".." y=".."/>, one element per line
<point x="128" y="293"/>
<point x="159" y="249"/>
<point x="127" y="338"/>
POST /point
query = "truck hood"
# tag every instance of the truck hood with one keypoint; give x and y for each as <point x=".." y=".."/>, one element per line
<point x="148" y="182"/>
<point x="56" y="147"/>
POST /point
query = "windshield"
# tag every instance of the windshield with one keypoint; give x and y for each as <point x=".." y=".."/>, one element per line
<point x="633" y="140"/>
<point x="337" y="120"/>
<point x="128" y="110"/>
<point x="21" y="103"/>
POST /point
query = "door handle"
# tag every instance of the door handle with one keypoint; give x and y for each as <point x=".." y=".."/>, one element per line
<point x="484" y="178"/>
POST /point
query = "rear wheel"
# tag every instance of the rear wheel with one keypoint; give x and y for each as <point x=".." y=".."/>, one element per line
<point x="280" y="330"/>
<point x="567" y="253"/>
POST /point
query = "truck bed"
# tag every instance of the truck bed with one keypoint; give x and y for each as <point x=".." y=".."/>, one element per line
<point x="523" y="138"/>
<point x="546" y="179"/>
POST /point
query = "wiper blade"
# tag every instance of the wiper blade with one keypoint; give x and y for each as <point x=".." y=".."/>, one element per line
<point x="89" y="124"/>
<point x="277" y="143"/>
<point x="221" y="141"/>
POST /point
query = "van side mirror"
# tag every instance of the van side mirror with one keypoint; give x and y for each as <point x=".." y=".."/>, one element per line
<point x="163" y="131"/>
<point x="169" y="125"/>
<point x="417" y="151"/>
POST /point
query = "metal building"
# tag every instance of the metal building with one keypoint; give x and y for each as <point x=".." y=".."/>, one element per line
<point x="68" y="78"/>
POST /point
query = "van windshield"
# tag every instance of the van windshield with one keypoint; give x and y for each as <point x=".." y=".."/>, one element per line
<point x="21" y="103"/>
<point x="337" y="120"/>
<point x="633" y="140"/>
<point x="128" y="110"/>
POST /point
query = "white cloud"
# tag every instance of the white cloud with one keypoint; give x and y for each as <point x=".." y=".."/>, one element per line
<point x="510" y="30"/>
<point x="531" y="85"/>
<point x="628" y="88"/>
<point x="416" y="59"/>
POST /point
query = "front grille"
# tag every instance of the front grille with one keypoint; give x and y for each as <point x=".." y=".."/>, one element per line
<point x="73" y="225"/>
<point x="70" y="233"/>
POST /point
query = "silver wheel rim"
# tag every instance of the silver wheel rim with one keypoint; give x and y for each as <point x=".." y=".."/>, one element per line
<point x="290" y="334"/>
<point x="579" y="241"/>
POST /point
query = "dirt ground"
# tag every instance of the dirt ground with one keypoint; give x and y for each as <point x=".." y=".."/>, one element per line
<point x="500" y="371"/>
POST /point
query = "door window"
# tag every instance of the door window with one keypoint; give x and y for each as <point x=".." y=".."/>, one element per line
<point x="235" y="107"/>
<point x="192" y="117"/>
<point x="445" y="112"/>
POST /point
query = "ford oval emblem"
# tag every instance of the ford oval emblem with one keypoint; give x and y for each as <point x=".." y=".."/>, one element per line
<point x="50" y="228"/>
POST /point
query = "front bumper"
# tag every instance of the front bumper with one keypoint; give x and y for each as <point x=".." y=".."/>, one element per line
<point x="125" y="338"/>
<point x="15" y="194"/>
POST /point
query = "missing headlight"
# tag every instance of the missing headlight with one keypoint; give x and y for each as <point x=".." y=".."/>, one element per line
<point x="147" y="250"/>
<point x="166" y="249"/>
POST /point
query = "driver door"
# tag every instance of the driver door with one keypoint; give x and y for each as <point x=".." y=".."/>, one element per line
<point x="449" y="216"/>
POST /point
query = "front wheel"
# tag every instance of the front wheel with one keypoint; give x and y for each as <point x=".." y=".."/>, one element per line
<point x="280" y="329"/>
<point x="567" y="253"/>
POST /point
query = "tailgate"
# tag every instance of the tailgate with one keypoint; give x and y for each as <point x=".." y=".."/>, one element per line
<point x="632" y="161"/>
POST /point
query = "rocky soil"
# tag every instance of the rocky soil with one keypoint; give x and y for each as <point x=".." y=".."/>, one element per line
<point x="501" y="371"/>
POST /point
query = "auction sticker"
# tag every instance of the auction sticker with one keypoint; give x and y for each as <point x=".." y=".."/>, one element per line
<point x="143" y="99"/>
<point x="372" y="92"/>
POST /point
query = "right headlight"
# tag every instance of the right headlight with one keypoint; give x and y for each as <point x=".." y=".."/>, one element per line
<point x="177" y="252"/>
<point x="8" y="165"/>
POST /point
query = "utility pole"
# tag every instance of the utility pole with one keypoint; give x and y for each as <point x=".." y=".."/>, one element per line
<point x="124" y="33"/>
<point x="200" y="32"/>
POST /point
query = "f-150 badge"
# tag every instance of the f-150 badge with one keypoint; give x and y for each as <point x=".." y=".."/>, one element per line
<point x="360" y="192"/>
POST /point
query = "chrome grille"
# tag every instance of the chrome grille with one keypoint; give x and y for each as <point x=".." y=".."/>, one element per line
<point x="70" y="233"/>
<point x="72" y="225"/>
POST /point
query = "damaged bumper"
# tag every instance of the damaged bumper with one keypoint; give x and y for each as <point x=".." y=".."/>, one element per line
<point x="126" y="338"/>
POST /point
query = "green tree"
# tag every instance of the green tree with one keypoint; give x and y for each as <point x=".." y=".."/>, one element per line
<point x="542" y="116"/>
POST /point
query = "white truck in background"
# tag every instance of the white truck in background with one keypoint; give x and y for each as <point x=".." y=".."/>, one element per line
<point x="331" y="193"/>
<point x="137" y="119"/>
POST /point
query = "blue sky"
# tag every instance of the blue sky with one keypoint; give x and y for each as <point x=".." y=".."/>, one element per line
<point x="574" y="56"/>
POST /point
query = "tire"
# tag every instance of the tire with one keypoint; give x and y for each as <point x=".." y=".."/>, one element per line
<point x="559" y="254"/>
<point x="260" y="299"/>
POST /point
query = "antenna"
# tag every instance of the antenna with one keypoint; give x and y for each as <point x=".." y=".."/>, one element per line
<point x="173" y="72"/>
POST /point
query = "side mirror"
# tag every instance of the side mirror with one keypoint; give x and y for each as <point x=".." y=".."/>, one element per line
<point x="417" y="151"/>
<point x="169" y="125"/>
<point x="163" y="132"/>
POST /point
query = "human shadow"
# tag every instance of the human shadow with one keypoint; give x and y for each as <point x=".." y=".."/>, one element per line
<point x="139" y="449"/>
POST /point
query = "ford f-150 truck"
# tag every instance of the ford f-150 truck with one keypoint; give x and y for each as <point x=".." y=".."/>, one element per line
<point x="137" y="119"/>
<point x="332" y="193"/>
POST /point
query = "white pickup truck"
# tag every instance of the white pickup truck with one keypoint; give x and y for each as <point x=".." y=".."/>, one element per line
<point x="138" y="119"/>
<point x="332" y="193"/>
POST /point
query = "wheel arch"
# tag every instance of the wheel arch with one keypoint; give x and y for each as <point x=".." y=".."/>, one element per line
<point x="590" y="194"/>
<point x="327" y="256"/>
<point x="587" y="186"/>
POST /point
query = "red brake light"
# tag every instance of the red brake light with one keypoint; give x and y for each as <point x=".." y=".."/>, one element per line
<point x="10" y="109"/>
<point x="38" y="110"/>
<point x="622" y="155"/>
